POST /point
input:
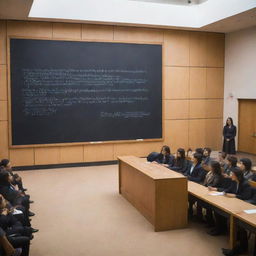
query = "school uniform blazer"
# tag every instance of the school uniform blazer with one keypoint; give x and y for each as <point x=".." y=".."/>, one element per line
<point x="165" y="160"/>
<point x="181" y="166"/>
<point x="9" y="194"/>
<point x="198" y="174"/>
<point x="244" y="190"/>
<point x="207" y="160"/>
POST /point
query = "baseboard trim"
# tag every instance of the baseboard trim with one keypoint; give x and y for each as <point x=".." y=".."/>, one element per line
<point x="55" y="166"/>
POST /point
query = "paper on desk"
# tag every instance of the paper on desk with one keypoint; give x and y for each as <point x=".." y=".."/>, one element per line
<point x="214" y="193"/>
<point x="250" y="211"/>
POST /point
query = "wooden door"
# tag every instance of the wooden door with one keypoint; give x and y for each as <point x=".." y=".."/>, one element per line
<point x="247" y="126"/>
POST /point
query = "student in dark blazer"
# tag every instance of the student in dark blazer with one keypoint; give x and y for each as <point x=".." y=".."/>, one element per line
<point x="245" y="164"/>
<point x="180" y="163"/>
<point x="229" y="134"/>
<point x="195" y="172"/>
<point x="165" y="157"/>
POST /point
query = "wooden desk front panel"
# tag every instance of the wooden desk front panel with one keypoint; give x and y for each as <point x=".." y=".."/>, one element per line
<point x="162" y="201"/>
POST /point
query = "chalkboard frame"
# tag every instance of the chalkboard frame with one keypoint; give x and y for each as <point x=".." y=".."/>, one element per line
<point x="76" y="143"/>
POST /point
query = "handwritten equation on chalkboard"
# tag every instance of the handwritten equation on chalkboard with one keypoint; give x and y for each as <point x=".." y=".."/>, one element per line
<point x="47" y="91"/>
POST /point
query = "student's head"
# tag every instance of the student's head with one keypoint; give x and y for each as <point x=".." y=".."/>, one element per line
<point x="222" y="156"/>
<point x="4" y="177"/>
<point x="165" y="150"/>
<point x="207" y="152"/>
<point x="245" y="164"/>
<point x="5" y="163"/>
<point x="199" y="151"/>
<point x="180" y="153"/>
<point x="237" y="175"/>
<point x="215" y="167"/>
<point x="232" y="161"/>
<point x="229" y="121"/>
<point x="197" y="158"/>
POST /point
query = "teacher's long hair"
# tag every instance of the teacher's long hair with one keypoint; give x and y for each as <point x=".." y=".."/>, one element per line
<point x="231" y="119"/>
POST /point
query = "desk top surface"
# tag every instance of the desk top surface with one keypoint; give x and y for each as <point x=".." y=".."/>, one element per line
<point x="153" y="170"/>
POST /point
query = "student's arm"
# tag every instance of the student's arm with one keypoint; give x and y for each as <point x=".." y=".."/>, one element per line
<point x="246" y="193"/>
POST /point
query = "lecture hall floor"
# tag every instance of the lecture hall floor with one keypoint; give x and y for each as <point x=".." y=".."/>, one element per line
<point x="79" y="212"/>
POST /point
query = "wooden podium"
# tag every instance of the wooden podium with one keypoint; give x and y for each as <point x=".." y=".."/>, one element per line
<point x="161" y="195"/>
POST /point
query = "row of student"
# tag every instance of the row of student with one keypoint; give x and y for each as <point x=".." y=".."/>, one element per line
<point x="15" y="222"/>
<point x="225" y="175"/>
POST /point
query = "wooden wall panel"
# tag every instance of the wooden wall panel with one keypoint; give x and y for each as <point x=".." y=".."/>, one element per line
<point x="197" y="109"/>
<point x="140" y="149"/>
<point x="176" y="48"/>
<point x="97" y="32"/>
<point x="213" y="129"/>
<point x="29" y="29"/>
<point x="197" y="49"/>
<point x="134" y="34"/>
<point x="74" y="154"/>
<point x="215" y="83"/>
<point x="214" y="108"/>
<point x="176" y="109"/>
<point x="22" y="157"/>
<point x="67" y="31"/>
<point x="176" y="134"/>
<point x="95" y="153"/>
<point x="197" y="83"/>
<point x="3" y="111"/>
<point x="46" y="155"/>
<point x="197" y="133"/>
<point x="3" y="82"/>
<point x="4" y="152"/>
<point x="176" y="82"/>
<point x="215" y="50"/>
<point x="2" y="42"/>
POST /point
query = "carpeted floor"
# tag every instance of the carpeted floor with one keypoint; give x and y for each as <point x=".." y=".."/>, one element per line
<point x="79" y="212"/>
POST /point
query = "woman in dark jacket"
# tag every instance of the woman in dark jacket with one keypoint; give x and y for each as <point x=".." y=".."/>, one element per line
<point x="165" y="157"/>
<point x="180" y="163"/>
<point x="229" y="134"/>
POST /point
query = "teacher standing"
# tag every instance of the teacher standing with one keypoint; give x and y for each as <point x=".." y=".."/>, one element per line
<point x="229" y="134"/>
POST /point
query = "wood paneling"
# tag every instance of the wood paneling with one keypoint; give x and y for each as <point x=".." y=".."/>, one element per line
<point x="22" y="157"/>
<point x="67" y="30"/>
<point x="215" y="50"/>
<point x="138" y="34"/>
<point x="176" y="109"/>
<point x="3" y="82"/>
<point x="74" y="154"/>
<point x="213" y="137"/>
<point x="197" y="109"/>
<point x="3" y="111"/>
<point x="49" y="155"/>
<point x="197" y="83"/>
<point x="29" y="29"/>
<point x="97" y="32"/>
<point x="140" y="149"/>
<point x="95" y="153"/>
<point x="4" y="152"/>
<point x="215" y="82"/>
<point x="214" y="108"/>
<point x="197" y="49"/>
<point x="176" y="82"/>
<point x="2" y="42"/>
<point x="176" y="48"/>
<point x="197" y="133"/>
<point x="176" y="134"/>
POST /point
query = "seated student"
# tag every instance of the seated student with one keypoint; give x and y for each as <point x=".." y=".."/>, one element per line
<point x="15" y="197"/>
<point x="189" y="154"/>
<point x="6" y="248"/>
<point x="16" y="179"/>
<point x="165" y="158"/>
<point x="207" y="156"/>
<point x="180" y="163"/>
<point x="231" y="165"/>
<point x="245" y="164"/>
<point x="222" y="159"/>
<point x="239" y="188"/>
<point x="214" y="179"/>
<point x="195" y="172"/>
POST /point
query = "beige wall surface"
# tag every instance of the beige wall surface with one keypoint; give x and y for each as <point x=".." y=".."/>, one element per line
<point x="193" y="86"/>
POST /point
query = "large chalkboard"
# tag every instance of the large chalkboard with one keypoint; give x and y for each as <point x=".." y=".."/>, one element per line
<point x="69" y="92"/>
